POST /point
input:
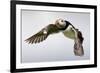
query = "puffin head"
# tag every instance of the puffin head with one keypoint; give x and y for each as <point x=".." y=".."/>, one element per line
<point x="62" y="24"/>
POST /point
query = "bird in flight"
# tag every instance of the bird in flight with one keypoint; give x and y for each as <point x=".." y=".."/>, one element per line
<point x="60" y="26"/>
<point x="63" y="26"/>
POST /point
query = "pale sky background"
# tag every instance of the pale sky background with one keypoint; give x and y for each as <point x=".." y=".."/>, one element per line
<point x="56" y="47"/>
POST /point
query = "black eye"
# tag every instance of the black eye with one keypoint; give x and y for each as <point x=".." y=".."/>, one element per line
<point x="61" y="20"/>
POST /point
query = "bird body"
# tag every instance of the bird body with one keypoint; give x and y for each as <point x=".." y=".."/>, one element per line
<point x="69" y="33"/>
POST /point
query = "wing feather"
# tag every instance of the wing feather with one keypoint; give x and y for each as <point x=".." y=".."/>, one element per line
<point x="41" y="36"/>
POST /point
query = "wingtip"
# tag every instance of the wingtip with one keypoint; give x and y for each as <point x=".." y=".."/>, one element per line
<point x="30" y="42"/>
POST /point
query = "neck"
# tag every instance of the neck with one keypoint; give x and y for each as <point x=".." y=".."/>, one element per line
<point x="64" y="27"/>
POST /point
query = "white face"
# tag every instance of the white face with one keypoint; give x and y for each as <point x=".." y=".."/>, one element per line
<point x="61" y="22"/>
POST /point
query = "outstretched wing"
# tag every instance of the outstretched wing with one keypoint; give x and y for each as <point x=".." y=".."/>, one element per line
<point x="38" y="37"/>
<point x="43" y="34"/>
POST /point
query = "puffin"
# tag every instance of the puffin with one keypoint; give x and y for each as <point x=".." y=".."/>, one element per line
<point x="66" y="28"/>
